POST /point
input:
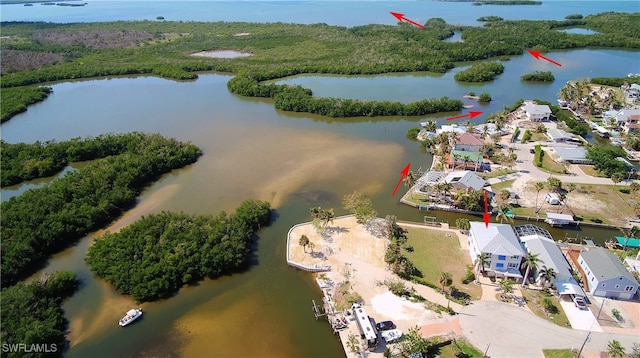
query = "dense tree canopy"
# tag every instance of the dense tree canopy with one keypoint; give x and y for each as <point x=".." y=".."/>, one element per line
<point x="15" y="100"/>
<point x="43" y="221"/>
<point x="480" y="72"/>
<point x="279" y="50"/>
<point x="538" y="76"/>
<point x="158" y="254"/>
<point x="604" y="159"/>
<point x="31" y="314"/>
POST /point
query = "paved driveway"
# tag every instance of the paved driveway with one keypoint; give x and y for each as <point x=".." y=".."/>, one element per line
<point x="580" y="319"/>
<point x="509" y="331"/>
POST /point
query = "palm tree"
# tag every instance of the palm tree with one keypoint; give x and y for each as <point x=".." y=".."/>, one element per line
<point x="539" y="186"/>
<point x="531" y="261"/>
<point x="445" y="280"/>
<point x="431" y="125"/>
<point x="481" y="261"/>
<point x="485" y="131"/>
<point x="616" y="178"/>
<point x="615" y="349"/>
<point x="304" y="241"/>
<point x="311" y="246"/>
<point x="504" y="212"/>
<point x="410" y="180"/>
<point x="507" y="287"/>
<point x="570" y="188"/>
<point x="547" y="275"/>
<point x="446" y="187"/>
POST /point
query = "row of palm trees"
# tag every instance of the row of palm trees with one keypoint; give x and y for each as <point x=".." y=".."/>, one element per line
<point x="531" y="263"/>
<point x="583" y="99"/>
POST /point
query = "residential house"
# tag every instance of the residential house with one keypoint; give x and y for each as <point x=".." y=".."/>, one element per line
<point x="539" y="241"/>
<point x="464" y="180"/>
<point x="536" y="112"/>
<point x="621" y="116"/>
<point x="632" y="125"/>
<point x="446" y="128"/>
<point x="458" y="158"/>
<point x="501" y="244"/>
<point x="468" y="142"/>
<point x="633" y="91"/>
<point x="573" y="155"/>
<point x="558" y="135"/>
<point x="606" y="275"/>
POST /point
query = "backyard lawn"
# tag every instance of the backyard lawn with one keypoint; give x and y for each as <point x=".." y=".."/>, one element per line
<point x="434" y="253"/>
<point x="559" y="353"/>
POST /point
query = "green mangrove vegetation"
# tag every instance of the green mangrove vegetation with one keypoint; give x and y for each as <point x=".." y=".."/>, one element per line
<point x="158" y="254"/>
<point x="538" y="76"/>
<point x="45" y="220"/>
<point x="16" y="99"/>
<point x="34" y="53"/>
<point x="614" y="81"/>
<point x="490" y="18"/>
<point x="31" y="314"/>
<point x="480" y="72"/>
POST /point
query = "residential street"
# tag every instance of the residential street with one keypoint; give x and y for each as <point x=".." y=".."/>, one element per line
<point x="510" y="331"/>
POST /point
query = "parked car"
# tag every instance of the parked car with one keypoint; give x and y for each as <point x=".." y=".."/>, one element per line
<point x="579" y="302"/>
<point x="385" y="325"/>
<point x="532" y="151"/>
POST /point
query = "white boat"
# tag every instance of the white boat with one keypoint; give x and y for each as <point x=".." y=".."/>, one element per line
<point x="559" y="219"/>
<point x="132" y="315"/>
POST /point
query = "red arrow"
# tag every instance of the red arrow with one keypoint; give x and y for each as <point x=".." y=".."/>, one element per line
<point x="486" y="214"/>
<point x="403" y="174"/>
<point x="538" y="55"/>
<point x="470" y="115"/>
<point x="401" y="17"/>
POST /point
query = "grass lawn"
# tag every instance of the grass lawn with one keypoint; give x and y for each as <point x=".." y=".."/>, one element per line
<point x="434" y="253"/>
<point x="534" y="302"/>
<point x="589" y="170"/>
<point x="538" y="137"/>
<point x="455" y="348"/>
<point x="416" y="198"/>
<point x="495" y="173"/>
<point x="559" y="353"/>
<point x="502" y="185"/>
<point x="550" y="165"/>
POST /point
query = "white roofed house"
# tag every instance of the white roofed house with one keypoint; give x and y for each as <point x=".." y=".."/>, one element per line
<point x="502" y="247"/>
<point x="539" y="241"/>
<point x="606" y="275"/>
<point x="536" y="112"/>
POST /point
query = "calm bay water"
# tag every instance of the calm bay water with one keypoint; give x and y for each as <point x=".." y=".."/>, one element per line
<point x="254" y="151"/>
<point x="342" y="13"/>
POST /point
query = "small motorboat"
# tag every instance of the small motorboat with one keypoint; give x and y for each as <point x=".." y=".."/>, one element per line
<point x="132" y="315"/>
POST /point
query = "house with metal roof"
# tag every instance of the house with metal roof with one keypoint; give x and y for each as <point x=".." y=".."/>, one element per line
<point x="465" y="180"/>
<point x="536" y="112"/>
<point x="501" y="244"/>
<point x="468" y="142"/>
<point x="606" y="275"/>
<point x="558" y="135"/>
<point x="539" y="241"/>
<point x="574" y="155"/>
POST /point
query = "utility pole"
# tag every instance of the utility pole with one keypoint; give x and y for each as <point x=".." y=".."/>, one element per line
<point x="484" y="355"/>
<point x="602" y="305"/>
<point x="583" y="344"/>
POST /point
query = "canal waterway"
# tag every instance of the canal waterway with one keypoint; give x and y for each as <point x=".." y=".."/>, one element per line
<point x="252" y="150"/>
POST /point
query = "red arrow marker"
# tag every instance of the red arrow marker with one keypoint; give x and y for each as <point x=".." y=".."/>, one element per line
<point x="401" y="17"/>
<point x="486" y="214"/>
<point x="403" y="174"/>
<point x="470" y="115"/>
<point x="538" y="55"/>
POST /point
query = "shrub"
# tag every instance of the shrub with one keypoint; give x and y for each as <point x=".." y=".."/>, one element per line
<point x="468" y="277"/>
<point x="485" y="97"/>
<point x="537" y="157"/>
<point x="516" y="133"/>
<point x="526" y="136"/>
<point x="549" y="306"/>
<point x="413" y="133"/>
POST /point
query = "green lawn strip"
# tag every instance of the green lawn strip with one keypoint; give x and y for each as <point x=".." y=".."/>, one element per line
<point x="534" y="302"/>
<point x="538" y="137"/>
<point x="497" y="173"/>
<point x="590" y="170"/>
<point x="550" y="165"/>
<point x="559" y="353"/>
<point x="502" y="185"/>
<point x="434" y="253"/>
<point x="455" y="349"/>
<point x="416" y="198"/>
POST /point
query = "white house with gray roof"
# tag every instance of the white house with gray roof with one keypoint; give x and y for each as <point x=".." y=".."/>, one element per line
<point x="536" y="112"/>
<point x="539" y="241"/>
<point x="606" y="275"/>
<point x="501" y="244"/>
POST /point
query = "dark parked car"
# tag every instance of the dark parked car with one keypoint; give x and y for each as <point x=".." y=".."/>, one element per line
<point x="385" y="326"/>
<point x="532" y="151"/>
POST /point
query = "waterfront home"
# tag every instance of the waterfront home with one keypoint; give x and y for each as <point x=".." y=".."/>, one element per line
<point x="558" y="135"/>
<point x="468" y="142"/>
<point x="606" y="275"/>
<point x="539" y="241"/>
<point x="464" y="180"/>
<point x="621" y="117"/>
<point x="535" y="112"/>
<point x="632" y="125"/>
<point x="571" y="154"/>
<point x="453" y="128"/>
<point x="501" y="244"/>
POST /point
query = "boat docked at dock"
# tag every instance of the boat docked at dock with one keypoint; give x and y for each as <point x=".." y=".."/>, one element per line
<point x="132" y="315"/>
